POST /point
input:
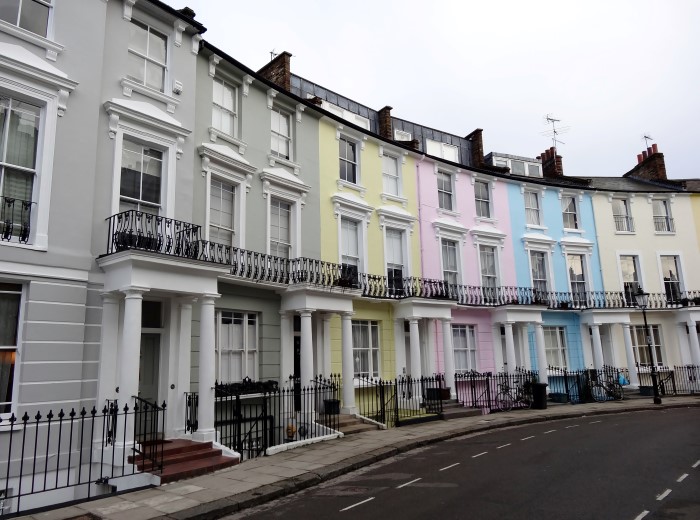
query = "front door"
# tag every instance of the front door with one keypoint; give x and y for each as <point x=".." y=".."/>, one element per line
<point x="148" y="367"/>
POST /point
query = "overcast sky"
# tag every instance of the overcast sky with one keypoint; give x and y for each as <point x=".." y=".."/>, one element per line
<point x="611" y="71"/>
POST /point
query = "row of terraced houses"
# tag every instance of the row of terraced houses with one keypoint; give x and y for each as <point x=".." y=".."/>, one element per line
<point x="171" y="219"/>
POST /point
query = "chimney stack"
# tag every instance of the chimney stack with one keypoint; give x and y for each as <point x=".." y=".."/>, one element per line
<point x="476" y="140"/>
<point x="650" y="165"/>
<point x="551" y="163"/>
<point x="279" y="71"/>
<point x="385" y="123"/>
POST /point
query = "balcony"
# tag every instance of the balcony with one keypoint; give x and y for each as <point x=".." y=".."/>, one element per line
<point x="664" y="225"/>
<point x="624" y="223"/>
<point x="15" y="220"/>
<point x="137" y="231"/>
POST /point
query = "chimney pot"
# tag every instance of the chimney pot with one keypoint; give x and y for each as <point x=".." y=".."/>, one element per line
<point x="640" y="158"/>
<point x="649" y="150"/>
<point x="645" y="154"/>
<point x="654" y="148"/>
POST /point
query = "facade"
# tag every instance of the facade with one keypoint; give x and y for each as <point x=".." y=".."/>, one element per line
<point x="172" y="220"/>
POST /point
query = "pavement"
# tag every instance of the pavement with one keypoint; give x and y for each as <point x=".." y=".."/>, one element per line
<point x="257" y="481"/>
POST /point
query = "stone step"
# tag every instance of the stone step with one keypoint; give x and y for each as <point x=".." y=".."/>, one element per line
<point x="455" y="413"/>
<point x="194" y="468"/>
<point x="357" y="428"/>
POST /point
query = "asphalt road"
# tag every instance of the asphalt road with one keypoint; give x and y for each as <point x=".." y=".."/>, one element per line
<point x="619" y="467"/>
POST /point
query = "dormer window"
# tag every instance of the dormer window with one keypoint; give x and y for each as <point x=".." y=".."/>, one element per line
<point x="517" y="167"/>
<point x="147" y="56"/>
<point x="32" y="15"/>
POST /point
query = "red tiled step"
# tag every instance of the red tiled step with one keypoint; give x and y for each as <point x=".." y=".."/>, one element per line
<point x="193" y="468"/>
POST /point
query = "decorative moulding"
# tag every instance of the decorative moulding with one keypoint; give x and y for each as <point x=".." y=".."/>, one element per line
<point x="128" y="9"/>
<point x="299" y="109"/>
<point x="273" y="160"/>
<point x="351" y="186"/>
<point x="215" y="134"/>
<point x="213" y="62"/>
<point x="179" y="27"/>
<point x="271" y="95"/>
<point x="53" y="49"/>
<point x="247" y="82"/>
<point x="196" y="38"/>
<point x="129" y="86"/>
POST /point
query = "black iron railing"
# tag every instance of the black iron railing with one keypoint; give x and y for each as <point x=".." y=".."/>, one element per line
<point x="44" y="454"/>
<point x="252" y="416"/>
<point x="677" y="380"/>
<point x="191" y="411"/>
<point x="135" y="230"/>
<point x="15" y="219"/>
<point x="481" y="389"/>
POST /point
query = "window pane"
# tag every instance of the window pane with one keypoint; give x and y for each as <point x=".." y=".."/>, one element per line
<point x="517" y="167"/>
<point x="156" y="46"/>
<point x="34" y="17"/>
<point x="18" y="185"/>
<point x="533" y="170"/>
<point x="155" y="76"/>
<point x="22" y="135"/>
<point x="9" y="9"/>
<point x="9" y="315"/>
<point x="138" y="37"/>
<point x="136" y="68"/>
<point x="7" y="376"/>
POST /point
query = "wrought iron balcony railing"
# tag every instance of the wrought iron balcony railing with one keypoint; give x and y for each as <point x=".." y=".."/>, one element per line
<point x="624" y="223"/>
<point x="134" y="230"/>
<point x="15" y="219"/>
<point x="664" y="224"/>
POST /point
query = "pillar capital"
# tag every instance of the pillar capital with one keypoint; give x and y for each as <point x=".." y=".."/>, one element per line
<point x="133" y="291"/>
<point x="110" y="297"/>
<point x="208" y="298"/>
<point x="305" y="313"/>
<point x="347" y="315"/>
<point x="446" y="320"/>
<point x="413" y="319"/>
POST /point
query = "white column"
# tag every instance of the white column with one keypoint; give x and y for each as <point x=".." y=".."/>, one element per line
<point x="683" y="346"/>
<point x="430" y="346"/>
<point x="597" y="347"/>
<point x="414" y="334"/>
<point x="307" y="348"/>
<point x="629" y="354"/>
<point x="326" y="328"/>
<point x="176" y="405"/>
<point x="286" y="347"/>
<point x="107" y="375"/>
<point x="399" y="347"/>
<point x="694" y="343"/>
<point x="348" y="365"/>
<point x="498" y="361"/>
<point x="541" y="353"/>
<point x="129" y="360"/>
<point x="510" y="347"/>
<point x="449" y="357"/>
<point x="525" y="346"/>
<point x="207" y="369"/>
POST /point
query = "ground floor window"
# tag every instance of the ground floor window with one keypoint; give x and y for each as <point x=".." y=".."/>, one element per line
<point x="639" y="342"/>
<point x="10" y="297"/>
<point x="236" y="345"/>
<point x="464" y="345"/>
<point x="555" y="346"/>
<point x="365" y="348"/>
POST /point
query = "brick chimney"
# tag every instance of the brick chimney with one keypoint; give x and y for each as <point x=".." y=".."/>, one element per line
<point x="279" y="71"/>
<point x="385" y="123"/>
<point x="551" y="163"/>
<point x="650" y="165"/>
<point x="477" y="148"/>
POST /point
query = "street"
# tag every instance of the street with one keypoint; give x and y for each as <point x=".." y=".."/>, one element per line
<point x="625" y="466"/>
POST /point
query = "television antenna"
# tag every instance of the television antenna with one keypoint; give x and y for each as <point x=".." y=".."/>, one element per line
<point x="273" y="54"/>
<point x="647" y="137"/>
<point x="556" y="130"/>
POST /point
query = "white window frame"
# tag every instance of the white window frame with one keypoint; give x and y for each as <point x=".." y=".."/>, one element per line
<point x="399" y="184"/>
<point x="547" y="268"/>
<point x="628" y="292"/>
<point x="469" y="349"/>
<point x="286" y="114"/>
<point x="541" y="244"/>
<point x="679" y="266"/>
<point x="354" y="142"/>
<point x="638" y="334"/>
<point x="49" y="88"/>
<point x="233" y="111"/>
<point x="143" y="205"/>
<point x="164" y="133"/>
<point x="346" y="207"/>
<point x="402" y="135"/>
<point x="281" y="185"/>
<point x="148" y="59"/>
<point x="245" y="351"/>
<point x="458" y="251"/>
<point x="228" y="228"/>
<point x="669" y="227"/>
<point x="277" y="202"/>
<point x="576" y="213"/>
<point x="52" y="48"/>
<point x="452" y="193"/>
<point x="405" y="267"/>
<point x="559" y="351"/>
<point x="360" y="235"/>
<point x="443" y="148"/>
<point x="489" y="201"/>
<point x="586" y="273"/>
<point x="625" y="226"/>
<point x="16" y="348"/>
<point x="223" y="164"/>
<point x="529" y="210"/>
<point x="496" y="255"/>
<point x="374" y="371"/>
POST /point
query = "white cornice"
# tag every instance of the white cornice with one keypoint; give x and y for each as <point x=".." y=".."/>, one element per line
<point x="20" y="61"/>
<point x="129" y="85"/>
<point x="53" y="49"/>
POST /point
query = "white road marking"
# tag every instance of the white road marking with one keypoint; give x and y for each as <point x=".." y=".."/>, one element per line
<point x="358" y="504"/>
<point x="550" y="431"/>
<point x="696" y="464"/>
<point x="503" y="446"/>
<point x="526" y="438"/>
<point x="573" y="426"/>
<point x="448" y="467"/>
<point x="641" y="515"/>
<point x="408" y="483"/>
<point x="663" y="495"/>
<point x="479" y="454"/>
<point x="682" y="477"/>
<point x="594" y="422"/>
